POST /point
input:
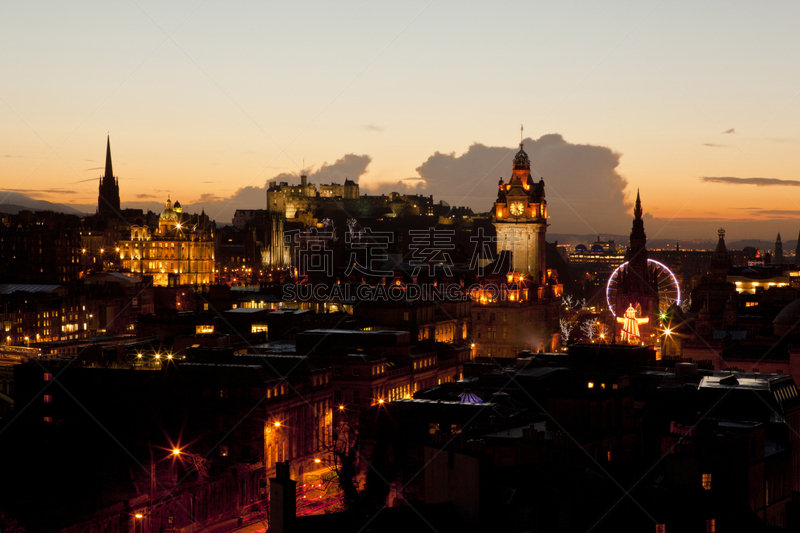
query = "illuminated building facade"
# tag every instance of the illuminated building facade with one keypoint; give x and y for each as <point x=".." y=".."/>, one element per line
<point x="288" y="200"/>
<point x="179" y="252"/>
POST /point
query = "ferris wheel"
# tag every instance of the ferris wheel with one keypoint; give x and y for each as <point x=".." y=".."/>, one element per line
<point x="669" y="291"/>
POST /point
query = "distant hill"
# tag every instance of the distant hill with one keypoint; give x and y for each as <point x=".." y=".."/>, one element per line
<point x="14" y="202"/>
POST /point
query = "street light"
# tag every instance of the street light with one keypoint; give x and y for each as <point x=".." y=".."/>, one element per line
<point x="176" y="451"/>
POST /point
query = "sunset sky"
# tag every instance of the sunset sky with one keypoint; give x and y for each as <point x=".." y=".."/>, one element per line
<point x="205" y="98"/>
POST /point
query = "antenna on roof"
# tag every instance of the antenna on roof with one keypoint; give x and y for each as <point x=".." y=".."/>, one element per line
<point x="520" y="134"/>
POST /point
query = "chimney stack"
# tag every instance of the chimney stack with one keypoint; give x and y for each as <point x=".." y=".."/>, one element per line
<point x="282" y="500"/>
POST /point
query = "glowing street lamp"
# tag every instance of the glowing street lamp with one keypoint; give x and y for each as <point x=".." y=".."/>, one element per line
<point x="176" y="451"/>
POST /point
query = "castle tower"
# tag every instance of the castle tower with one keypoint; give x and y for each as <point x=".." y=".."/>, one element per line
<point x="108" y="197"/>
<point x="778" y="257"/>
<point x="638" y="285"/>
<point x="520" y="217"/>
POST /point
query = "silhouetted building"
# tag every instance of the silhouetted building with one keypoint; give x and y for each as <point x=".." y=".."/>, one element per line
<point x="777" y="258"/>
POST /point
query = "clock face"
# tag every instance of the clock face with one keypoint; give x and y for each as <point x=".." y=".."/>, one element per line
<point x="516" y="208"/>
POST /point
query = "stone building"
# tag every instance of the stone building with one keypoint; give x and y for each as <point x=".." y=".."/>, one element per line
<point x="180" y="251"/>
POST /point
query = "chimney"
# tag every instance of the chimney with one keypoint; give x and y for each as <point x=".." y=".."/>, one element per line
<point x="282" y="500"/>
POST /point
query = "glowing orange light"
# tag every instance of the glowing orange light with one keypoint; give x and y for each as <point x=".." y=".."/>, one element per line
<point x="317" y="460"/>
<point x="176" y="451"/>
<point x="277" y="424"/>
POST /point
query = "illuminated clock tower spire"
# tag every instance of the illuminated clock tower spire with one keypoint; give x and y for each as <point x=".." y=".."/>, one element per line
<point x="520" y="217"/>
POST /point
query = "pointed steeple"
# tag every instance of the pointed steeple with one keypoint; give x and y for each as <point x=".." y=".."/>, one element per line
<point x="637" y="211"/>
<point x="797" y="251"/>
<point x="108" y="199"/>
<point x="109" y="170"/>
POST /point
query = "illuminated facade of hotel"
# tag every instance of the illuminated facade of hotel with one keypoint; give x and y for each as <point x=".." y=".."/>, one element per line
<point x="179" y="252"/>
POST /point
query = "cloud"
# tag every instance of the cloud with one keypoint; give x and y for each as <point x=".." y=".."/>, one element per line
<point x="759" y="182"/>
<point x="350" y="166"/>
<point x="583" y="186"/>
<point x="93" y="168"/>
<point x="732" y="130"/>
<point x="715" y="145"/>
<point x="371" y="127"/>
<point x="207" y="198"/>
<point x="145" y="196"/>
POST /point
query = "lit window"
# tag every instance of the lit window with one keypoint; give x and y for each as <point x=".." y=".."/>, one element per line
<point x="48" y="419"/>
<point x="48" y="376"/>
<point x="707" y="481"/>
<point x="711" y="525"/>
<point x="48" y="398"/>
<point x="661" y="528"/>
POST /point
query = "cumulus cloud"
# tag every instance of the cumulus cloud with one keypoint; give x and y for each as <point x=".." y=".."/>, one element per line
<point x="759" y="182"/>
<point x="207" y="198"/>
<point x="585" y="193"/>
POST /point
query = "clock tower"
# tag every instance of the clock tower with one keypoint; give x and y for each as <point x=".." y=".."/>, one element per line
<point x="520" y="218"/>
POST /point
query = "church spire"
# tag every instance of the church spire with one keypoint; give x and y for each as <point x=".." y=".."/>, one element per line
<point x="109" y="170"/>
<point x="108" y="197"/>
<point x="637" y="211"/>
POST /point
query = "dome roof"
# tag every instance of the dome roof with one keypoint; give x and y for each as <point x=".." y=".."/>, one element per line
<point x="168" y="213"/>
<point x="789" y="315"/>
<point x="580" y="248"/>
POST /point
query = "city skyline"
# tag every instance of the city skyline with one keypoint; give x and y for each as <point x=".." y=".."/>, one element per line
<point x="614" y="97"/>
